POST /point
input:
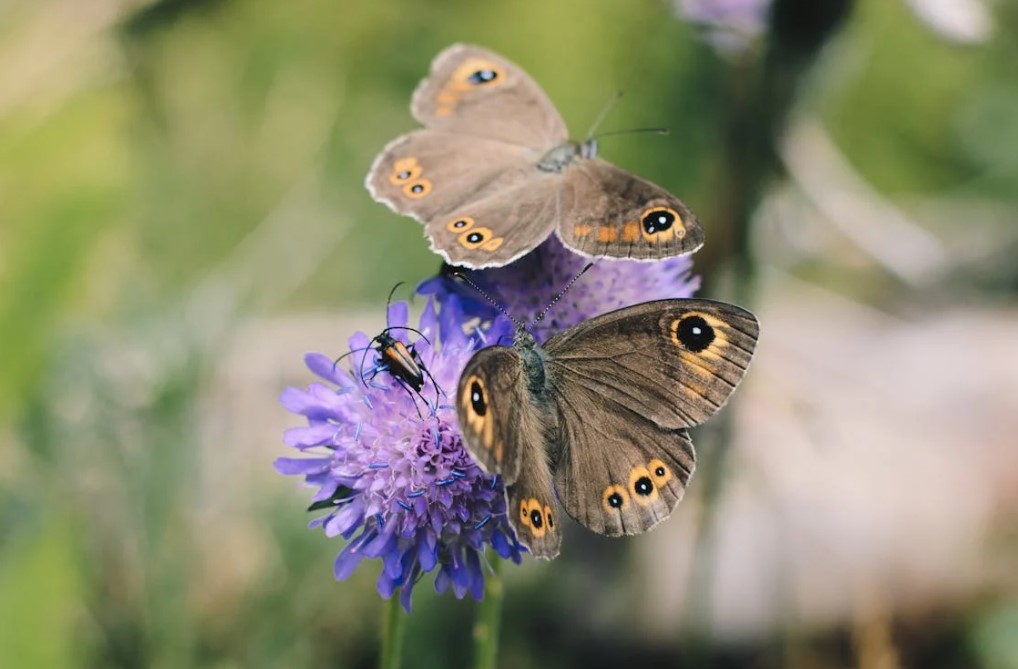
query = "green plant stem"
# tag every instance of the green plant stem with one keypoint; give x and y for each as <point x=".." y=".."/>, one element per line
<point x="392" y="634"/>
<point x="489" y="619"/>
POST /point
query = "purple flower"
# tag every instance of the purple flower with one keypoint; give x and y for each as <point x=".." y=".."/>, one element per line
<point x="730" y="25"/>
<point x="398" y="483"/>
<point x="527" y="287"/>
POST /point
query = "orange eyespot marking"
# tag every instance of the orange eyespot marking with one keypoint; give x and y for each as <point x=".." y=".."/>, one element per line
<point x="444" y="111"/>
<point x="404" y="170"/>
<point x="697" y="332"/>
<point x="475" y="237"/>
<point x="417" y="189"/>
<point x="531" y="517"/>
<point x="474" y="402"/>
<point x="461" y="224"/>
<point x="614" y="498"/>
<point x="477" y="73"/>
<point x="660" y="472"/>
<point x="661" y="224"/>
<point x="605" y="234"/>
<point x="407" y="163"/>
<point x="582" y="230"/>
<point x="493" y="244"/>
<point x="641" y="485"/>
<point x="631" y="232"/>
<point x="548" y="520"/>
<point x="447" y="97"/>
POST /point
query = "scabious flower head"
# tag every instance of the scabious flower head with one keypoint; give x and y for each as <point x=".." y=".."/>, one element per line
<point x="399" y="482"/>
<point x="527" y="287"/>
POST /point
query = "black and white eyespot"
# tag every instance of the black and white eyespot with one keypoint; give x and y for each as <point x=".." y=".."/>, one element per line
<point x="658" y="220"/>
<point x="482" y="76"/>
<point x="694" y="333"/>
<point x="477" y="400"/>
<point x="643" y="486"/>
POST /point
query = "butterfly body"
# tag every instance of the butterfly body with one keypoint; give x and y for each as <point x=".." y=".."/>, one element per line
<point x="596" y="420"/>
<point x="493" y="173"/>
<point x="563" y="155"/>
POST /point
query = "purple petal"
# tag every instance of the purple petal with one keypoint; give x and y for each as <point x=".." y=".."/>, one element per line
<point x="348" y="559"/>
<point x="292" y="466"/>
<point x="308" y="437"/>
<point x="399" y="314"/>
<point x="348" y="517"/>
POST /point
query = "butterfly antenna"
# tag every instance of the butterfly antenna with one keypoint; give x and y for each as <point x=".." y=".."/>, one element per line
<point x="607" y="109"/>
<point x="633" y="131"/>
<point x="491" y="300"/>
<point x="562" y="292"/>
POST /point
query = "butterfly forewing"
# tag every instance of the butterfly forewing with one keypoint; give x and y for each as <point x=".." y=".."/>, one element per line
<point x="473" y="91"/>
<point x="506" y="434"/>
<point x="676" y="362"/>
<point x="608" y="211"/>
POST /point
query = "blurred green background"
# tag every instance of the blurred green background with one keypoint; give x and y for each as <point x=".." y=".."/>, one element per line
<point x="182" y="216"/>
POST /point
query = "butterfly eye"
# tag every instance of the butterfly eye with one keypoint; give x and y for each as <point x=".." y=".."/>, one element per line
<point x="694" y="333"/>
<point x="477" y="400"/>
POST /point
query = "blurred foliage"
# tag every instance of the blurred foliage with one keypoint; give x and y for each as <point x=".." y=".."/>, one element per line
<point x="143" y="143"/>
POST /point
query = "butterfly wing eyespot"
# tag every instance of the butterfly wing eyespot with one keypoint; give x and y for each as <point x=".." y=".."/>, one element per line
<point x="614" y="498"/>
<point x="417" y="189"/>
<point x="659" y="224"/>
<point x="404" y="170"/>
<point x="477" y="73"/>
<point x="660" y="472"/>
<point x="697" y="332"/>
<point x="460" y="224"/>
<point x="533" y="518"/>
<point x="641" y="486"/>
<point x="479" y="238"/>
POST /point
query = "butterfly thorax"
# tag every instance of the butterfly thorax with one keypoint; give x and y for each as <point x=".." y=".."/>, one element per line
<point x="533" y="362"/>
<point x="562" y="155"/>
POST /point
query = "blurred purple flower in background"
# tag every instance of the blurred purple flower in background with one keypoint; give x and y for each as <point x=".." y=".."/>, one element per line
<point x="528" y="286"/>
<point x="730" y="26"/>
<point x="399" y="484"/>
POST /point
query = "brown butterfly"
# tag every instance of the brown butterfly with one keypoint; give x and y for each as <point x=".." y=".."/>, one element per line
<point x="493" y="173"/>
<point x="599" y="414"/>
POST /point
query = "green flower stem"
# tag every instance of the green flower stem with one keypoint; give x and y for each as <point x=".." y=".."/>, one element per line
<point x="392" y="634"/>
<point x="489" y="619"/>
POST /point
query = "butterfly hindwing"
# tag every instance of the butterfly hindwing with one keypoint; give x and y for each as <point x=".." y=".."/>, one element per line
<point x="609" y="211"/>
<point x="475" y="92"/>
<point x="531" y="506"/>
<point x="618" y="473"/>
<point x="675" y="362"/>
<point x="494" y="230"/>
